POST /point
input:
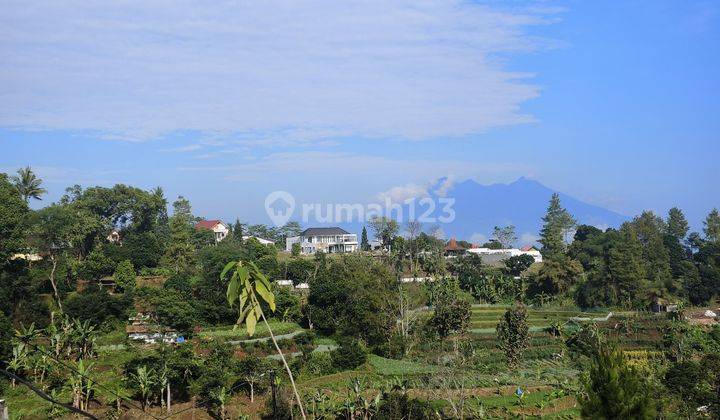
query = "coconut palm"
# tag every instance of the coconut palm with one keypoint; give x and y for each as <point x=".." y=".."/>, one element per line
<point x="27" y="184"/>
<point x="246" y="283"/>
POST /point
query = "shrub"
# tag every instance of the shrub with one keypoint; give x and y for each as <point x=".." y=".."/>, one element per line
<point x="318" y="364"/>
<point x="452" y="309"/>
<point x="395" y="348"/>
<point x="97" y="306"/>
<point x="125" y="275"/>
<point x="513" y="334"/>
<point x="396" y="405"/>
<point x="614" y="390"/>
<point x="349" y="355"/>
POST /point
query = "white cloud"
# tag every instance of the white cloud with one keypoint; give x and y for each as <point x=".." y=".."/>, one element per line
<point x="328" y="164"/>
<point x="446" y="183"/>
<point x="265" y="71"/>
<point x="401" y="193"/>
<point x="188" y="148"/>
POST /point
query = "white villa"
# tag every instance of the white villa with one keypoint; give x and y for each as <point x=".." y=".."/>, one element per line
<point x="491" y="255"/>
<point x="219" y="228"/>
<point x="325" y="239"/>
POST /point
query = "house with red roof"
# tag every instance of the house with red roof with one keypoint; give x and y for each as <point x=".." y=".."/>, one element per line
<point x="219" y="228"/>
<point x="453" y="248"/>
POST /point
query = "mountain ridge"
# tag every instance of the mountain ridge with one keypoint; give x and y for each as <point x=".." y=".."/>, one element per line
<point x="522" y="203"/>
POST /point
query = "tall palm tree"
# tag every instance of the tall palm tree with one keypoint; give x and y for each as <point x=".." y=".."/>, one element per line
<point x="28" y="185"/>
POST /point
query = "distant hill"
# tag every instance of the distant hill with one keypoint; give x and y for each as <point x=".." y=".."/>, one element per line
<point x="521" y="203"/>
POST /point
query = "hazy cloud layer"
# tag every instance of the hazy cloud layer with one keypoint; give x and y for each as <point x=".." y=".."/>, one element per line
<point x="269" y="70"/>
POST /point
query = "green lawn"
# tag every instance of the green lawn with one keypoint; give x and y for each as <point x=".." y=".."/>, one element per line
<point x="228" y="332"/>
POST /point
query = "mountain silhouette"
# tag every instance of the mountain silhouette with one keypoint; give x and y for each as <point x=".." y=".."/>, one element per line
<point x="522" y="203"/>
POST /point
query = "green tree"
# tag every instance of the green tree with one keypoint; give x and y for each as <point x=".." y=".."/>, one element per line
<point x="451" y="311"/>
<point x="555" y="277"/>
<point x="252" y="369"/>
<point x="354" y="296"/>
<point x="245" y="284"/>
<point x="513" y="334"/>
<point x="364" y="243"/>
<point x="295" y="250"/>
<point x="237" y="231"/>
<point x="677" y="225"/>
<point x="517" y="264"/>
<point x="180" y="253"/>
<point x="712" y="226"/>
<point x="505" y="235"/>
<point x="124" y="276"/>
<point x="56" y="229"/>
<point x="626" y="271"/>
<point x="557" y="222"/>
<point x="614" y="390"/>
<point x="12" y="213"/>
<point x="28" y="185"/>
<point x="384" y="229"/>
<point x="650" y="230"/>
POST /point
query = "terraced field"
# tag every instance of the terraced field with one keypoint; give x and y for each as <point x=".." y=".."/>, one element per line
<point x="485" y="318"/>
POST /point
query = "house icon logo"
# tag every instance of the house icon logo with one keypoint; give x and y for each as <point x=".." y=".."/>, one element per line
<point x="279" y="206"/>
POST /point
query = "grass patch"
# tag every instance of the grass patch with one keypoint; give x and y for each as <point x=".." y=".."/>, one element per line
<point x="227" y="332"/>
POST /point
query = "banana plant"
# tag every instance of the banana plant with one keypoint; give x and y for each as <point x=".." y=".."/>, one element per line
<point x="19" y="361"/>
<point x="82" y="386"/>
<point x="246" y="286"/>
<point x="145" y="380"/>
<point x="222" y="397"/>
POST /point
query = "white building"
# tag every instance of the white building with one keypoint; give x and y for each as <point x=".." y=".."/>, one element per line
<point x="495" y="255"/>
<point x="219" y="228"/>
<point x="259" y="239"/>
<point x="330" y="240"/>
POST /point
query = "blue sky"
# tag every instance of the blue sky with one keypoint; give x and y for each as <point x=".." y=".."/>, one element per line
<point x="615" y="103"/>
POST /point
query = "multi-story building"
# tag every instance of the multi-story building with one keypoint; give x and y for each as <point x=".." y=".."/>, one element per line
<point x="324" y="239"/>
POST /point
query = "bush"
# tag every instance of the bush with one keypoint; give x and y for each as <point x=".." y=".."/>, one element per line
<point x="6" y="334"/>
<point x="614" y="390"/>
<point x="98" y="306"/>
<point x="349" y="355"/>
<point x="180" y="283"/>
<point x="396" y="405"/>
<point x="452" y="309"/>
<point x="318" y="364"/>
<point x="395" y="348"/>
<point x="125" y="276"/>
<point x="287" y="305"/>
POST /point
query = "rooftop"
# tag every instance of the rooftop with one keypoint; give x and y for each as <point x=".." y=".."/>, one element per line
<point x="324" y="231"/>
<point x="207" y="224"/>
